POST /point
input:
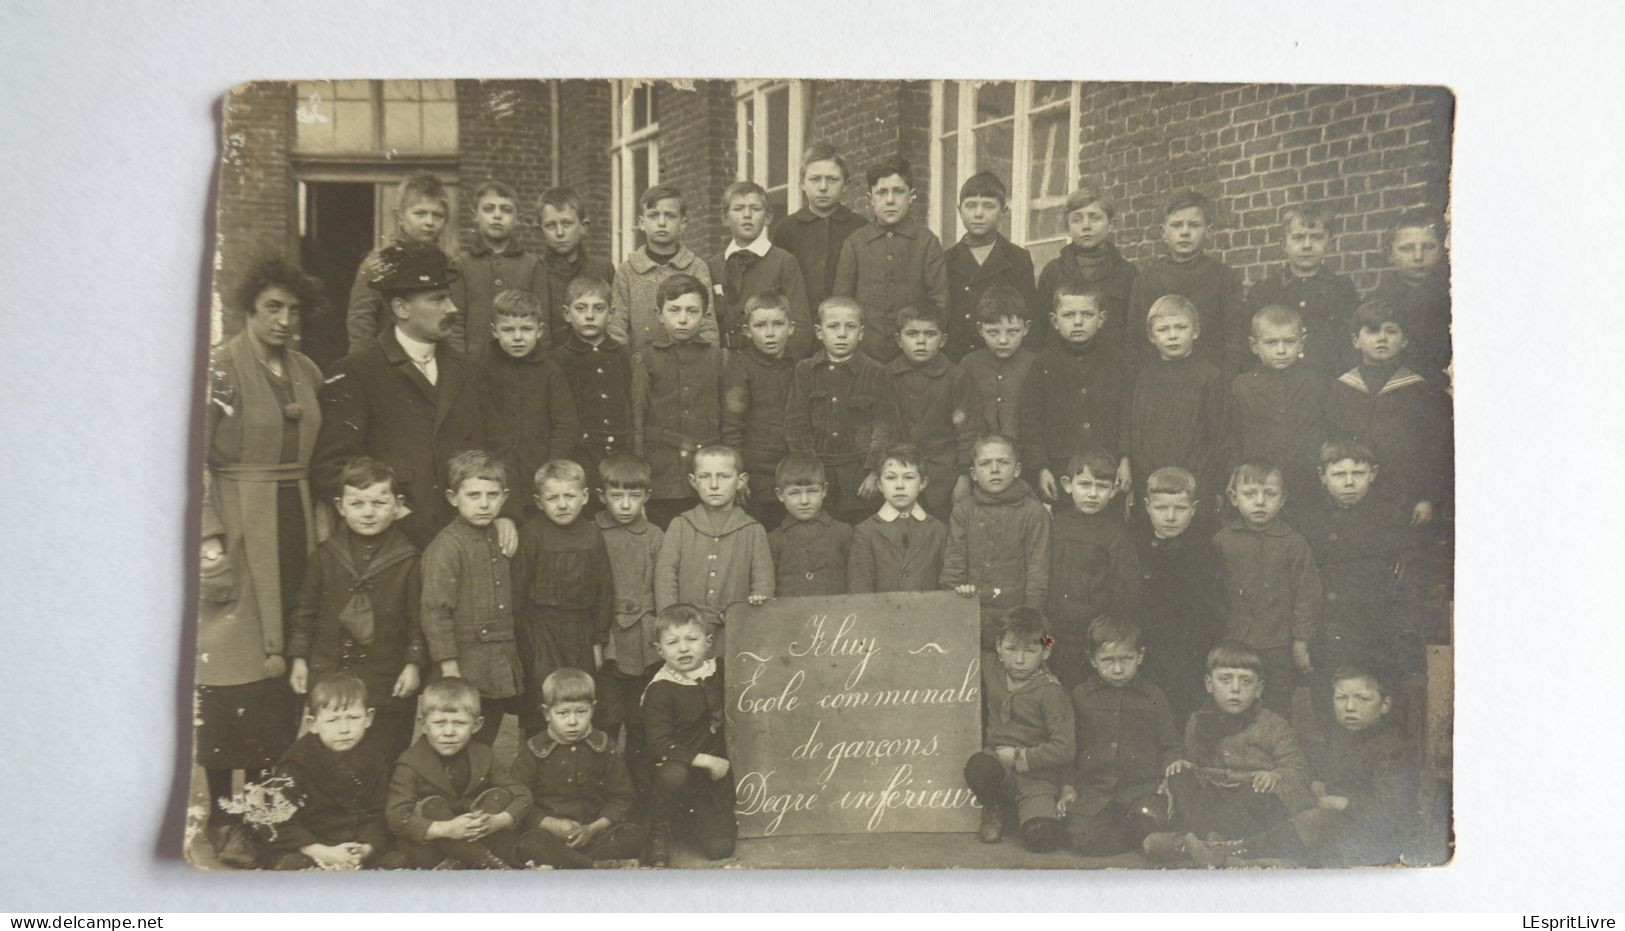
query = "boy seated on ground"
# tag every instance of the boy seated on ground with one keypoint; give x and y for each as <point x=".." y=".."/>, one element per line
<point x="1126" y="739"/>
<point x="334" y="781"/>
<point x="1242" y="773"/>
<point x="1029" y="741"/>
<point x="450" y="804"/>
<point x="580" y="786"/>
<point x="693" y="788"/>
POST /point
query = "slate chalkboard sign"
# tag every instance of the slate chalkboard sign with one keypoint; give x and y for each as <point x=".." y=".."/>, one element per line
<point x="854" y="714"/>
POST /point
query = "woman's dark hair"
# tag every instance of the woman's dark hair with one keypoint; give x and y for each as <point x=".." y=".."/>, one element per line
<point x="274" y="272"/>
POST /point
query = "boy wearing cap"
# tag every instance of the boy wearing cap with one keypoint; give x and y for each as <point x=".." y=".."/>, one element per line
<point x="408" y="399"/>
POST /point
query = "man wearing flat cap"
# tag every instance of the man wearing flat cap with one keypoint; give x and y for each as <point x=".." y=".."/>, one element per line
<point x="409" y="398"/>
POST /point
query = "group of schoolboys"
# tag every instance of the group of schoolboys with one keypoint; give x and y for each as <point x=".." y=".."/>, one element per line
<point x="805" y="413"/>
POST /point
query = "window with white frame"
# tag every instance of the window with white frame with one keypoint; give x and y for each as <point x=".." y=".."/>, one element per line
<point x="1025" y="132"/>
<point x="772" y="127"/>
<point x="372" y="117"/>
<point x="634" y="155"/>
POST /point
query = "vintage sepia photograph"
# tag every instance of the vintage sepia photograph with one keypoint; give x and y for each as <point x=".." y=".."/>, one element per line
<point x="801" y="473"/>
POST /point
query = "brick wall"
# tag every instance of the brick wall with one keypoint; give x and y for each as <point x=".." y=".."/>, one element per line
<point x="871" y="120"/>
<point x="504" y="132"/>
<point x="584" y="115"/>
<point x="1365" y="152"/>
<point x="255" y="215"/>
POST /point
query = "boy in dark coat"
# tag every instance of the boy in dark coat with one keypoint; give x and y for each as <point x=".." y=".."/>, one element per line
<point x="494" y="264"/>
<point x="1175" y="410"/>
<point x="1322" y="299"/>
<point x="422" y="209"/>
<point x="1074" y="394"/>
<point x="1030" y="737"/>
<point x="599" y="372"/>
<point x="1277" y="409"/>
<point x="682" y="709"/>
<point x="898" y="548"/>
<point x="998" y="538"/>
<point x="530" y="416"/>
<point x="564" y="224"/>
<point x="1094" y="568"/>
<point x="892" y="262"/>
<point x="1214" y="287"/>
<point x="408" y="399"/>
<point x="1090" y="260"/>
<point x="563" y="588"/>
<point x="578" y="784"/>
<point x="676" y="394"/>
<point x="755" y="388"/>
<point x="1418" y="288"/>
<point x="983" y="259"/>
<point x="332" y="785"/>
<point x="449" y="804"/>
<point x="1126" y="740"/>
<point x="938" y="410"/>
<point x="357" y="610"/>
<point x="999" y="369"/>
<point x="751" y="265"/>
<point x="1183" y="590"/>
<point x="809" y="548"/>
<point x="814" y="234"/>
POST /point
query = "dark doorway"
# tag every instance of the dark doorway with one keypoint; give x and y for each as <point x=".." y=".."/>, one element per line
<point x="338" y="233"/>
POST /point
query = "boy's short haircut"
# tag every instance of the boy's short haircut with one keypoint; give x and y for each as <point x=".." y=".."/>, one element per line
<point x="1345" y="673"/>
<point x="421" y="187"/>
<point x="1172" y="305"/>
<point x="824" y="152"/>
<point x="716" y="449"/>
<point x="675" y="286"/>
<point x="1171" y="480"/>
<point x="335" y="690"/>
<point x="567" y="684"/>
<point x="741" y="189"/>
<point x="885" y="168"/>
<point x="1254" y="471"/>
<point x="1337" y="450"/>
<point x="1077" y="289"/>
<point x="1026" y="624"/>
<point x="626" y="472"/>
<point x="493" y="186"/>
<point x="920" y="312"/>
<point x="904" y="454"/>
<point x="274" y="272"/>
<point x="560" y="470"/>
<point x="475" y="463"/>
<point x="661" y="192"/>
<point x="1233" y="654"/>
<point x="1277" y="315"/>
<point x="771" y="299"/>
<point x="1087" y="194"/>
<point x="681" y="615"/>
<point x="584" y="285"/>
<point x="365" y="472"/>
<point x="1000" y="303"/>
<point x="517" y="302"/>
<point x="983" y="184"/>
<point x="838" y="300"/>
<point x="451" y="694"/>
<point x="1094" y="460"/>
<point x="1187" y="199"/>
<point x="1307" y="215"/>
<point x="561" y="199"/>
<point x="1106" y="630"/>
<point x="991" y="439"/>
<point x="1418" y="218"/>
<point x="798" y="469"/>
<point x="1372" y="315"/>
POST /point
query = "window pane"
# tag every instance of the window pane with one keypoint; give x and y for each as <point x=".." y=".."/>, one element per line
<point x="313" y="116"/>
<point x="1044" y="252"/>
<point x="352" y="126"/>
<point x="352" y="90"/>
<point x="993" y="153"/>
<point x="401" y="90"/>
<point x="640" y="105"/>
<point x="403" y="126"/>
<point x="1050" y="92"/>
<point x="995" y="101"/>
<point x="653" y="105"/>
<point x="640" y="174"/>
<point x="778" y="201"/>
<point x="440" y="126"/>
<point x="438" y="90"/>
<point x="948" y="201"/>
<point x="1046" y="174"/>
<point x="950" y="106"/>
<point x="778" y="137"/>
<point x="750" y="138"/>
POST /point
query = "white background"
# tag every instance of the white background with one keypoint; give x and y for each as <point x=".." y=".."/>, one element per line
<point x="109" y="139"/>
